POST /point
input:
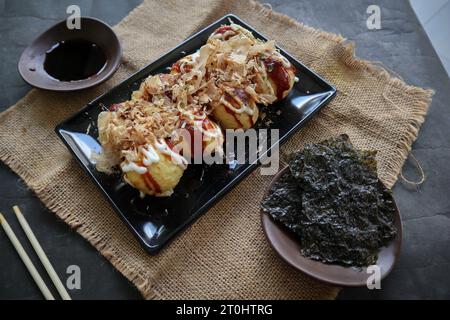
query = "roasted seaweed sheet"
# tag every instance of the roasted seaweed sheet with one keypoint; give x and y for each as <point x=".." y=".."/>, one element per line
<point x="284" y="201"/>
<point x="332" y="200"/>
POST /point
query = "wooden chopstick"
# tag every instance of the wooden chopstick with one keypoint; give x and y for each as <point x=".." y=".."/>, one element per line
<point x="41" y="254"/>
<point x="26" y="260"/>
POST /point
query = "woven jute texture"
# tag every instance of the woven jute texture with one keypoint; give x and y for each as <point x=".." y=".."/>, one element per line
<point x="224" y="254"/>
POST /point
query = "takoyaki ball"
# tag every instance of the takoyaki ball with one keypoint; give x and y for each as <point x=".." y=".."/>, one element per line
<point x="108" y="123"/>
<point x="103" y="120"/>
<point x="110" y="155"/>
<point x="280" y="76"/>
<point x="205" y="129"/>
<point x="212" y="136"/>
<point x="184" y="65"/>
<point x="157" y="172"/>
<point x="157" y="85"/>
<point x="235" y="110"/>
<point x="141" y="93"/>
<point x="225" y="32"/>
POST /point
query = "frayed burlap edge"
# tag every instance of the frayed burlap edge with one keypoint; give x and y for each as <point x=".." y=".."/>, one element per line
<point x="423" y="100"/>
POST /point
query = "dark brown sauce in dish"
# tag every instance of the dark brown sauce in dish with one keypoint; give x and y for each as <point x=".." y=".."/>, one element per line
<point x="74" y="60"/>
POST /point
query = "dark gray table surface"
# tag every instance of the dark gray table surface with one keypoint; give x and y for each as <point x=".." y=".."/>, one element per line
<point x="401" y="44"/>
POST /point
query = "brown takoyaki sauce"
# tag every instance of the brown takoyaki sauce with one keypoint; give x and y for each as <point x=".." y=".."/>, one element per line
<point x="244" y="97"/>
<point x="114" y="107"/>
<point x="151" y="182"/>
<point x="193" y="132"/>
<point x="169" y="143"/>
<point x="241" y="94"/>
<point x="224" y="29"/>
<point x="175" y="67"/>
<point x="231" y="112"/>
<point x="168" y="94"/>
<point x="207" y="124"/>
<point x="190" y="128"/>
<point x="278" y="74"/>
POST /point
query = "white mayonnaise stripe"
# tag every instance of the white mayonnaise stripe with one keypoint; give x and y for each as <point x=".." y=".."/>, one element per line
<point x="131" y="166"/>
<point x="211" y="133"/>
<point x="176" y="158"/>
<point x="245" y="109"/>
<point x="150" y="155"/>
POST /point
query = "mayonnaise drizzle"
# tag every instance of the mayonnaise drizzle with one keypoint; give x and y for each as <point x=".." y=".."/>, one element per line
<point x="131" y="166"/>
<point x="176" y="158"/>
<point x="243" y="109"/>
<point x="212" y="133"/>
<point x="150" y="155"/>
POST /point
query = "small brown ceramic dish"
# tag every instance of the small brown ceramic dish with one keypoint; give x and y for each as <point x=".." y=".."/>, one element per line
<point x="285" y="244"/>
<point x="31" y="63"/>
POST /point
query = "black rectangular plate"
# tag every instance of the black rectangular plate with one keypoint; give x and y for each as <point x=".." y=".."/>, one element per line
<point x="154" y="220"/>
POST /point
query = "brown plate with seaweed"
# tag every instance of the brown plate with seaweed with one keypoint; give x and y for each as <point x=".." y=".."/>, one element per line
<point x="288" y="248"/>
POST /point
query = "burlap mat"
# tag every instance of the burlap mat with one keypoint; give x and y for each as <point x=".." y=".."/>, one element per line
<point x="224" y="254"/>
